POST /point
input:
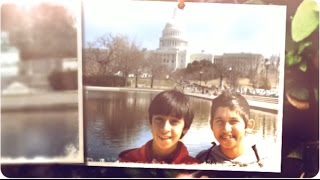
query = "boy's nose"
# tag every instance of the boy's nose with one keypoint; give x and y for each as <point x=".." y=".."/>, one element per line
<point x="227" y="127"/>
<point x="166" y="125"/>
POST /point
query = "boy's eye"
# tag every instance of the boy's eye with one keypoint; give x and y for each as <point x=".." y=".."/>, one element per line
<point x="158" y="119"/>
<point x="162" y="119"/>
<point x="218" y="121"/>
<point x="174" y="122"/>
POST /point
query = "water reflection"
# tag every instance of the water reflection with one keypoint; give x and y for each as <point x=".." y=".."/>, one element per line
<point x="117" y="120"/>
<point x="35" y="133"/>
<point x="265" y="125"/>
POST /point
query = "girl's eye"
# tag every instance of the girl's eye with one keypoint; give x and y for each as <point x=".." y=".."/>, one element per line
<point x="234" y="121"/>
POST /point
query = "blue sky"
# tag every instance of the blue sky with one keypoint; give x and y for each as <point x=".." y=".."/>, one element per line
<point x="215" y="28"/>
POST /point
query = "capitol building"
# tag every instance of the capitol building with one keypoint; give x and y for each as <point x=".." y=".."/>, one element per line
<point x="175" y="52"/>
<point x="173" y="47"/>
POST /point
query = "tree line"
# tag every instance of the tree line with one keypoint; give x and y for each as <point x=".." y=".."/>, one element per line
<point x="111" y="55"/>
<point x="117" y="54"/>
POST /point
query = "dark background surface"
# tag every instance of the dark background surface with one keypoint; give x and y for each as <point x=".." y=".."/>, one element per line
<point x="300" y="130"/>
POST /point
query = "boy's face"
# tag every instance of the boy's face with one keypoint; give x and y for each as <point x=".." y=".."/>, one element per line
<point x="229" y="128"/>
<point x="166" y="131"/>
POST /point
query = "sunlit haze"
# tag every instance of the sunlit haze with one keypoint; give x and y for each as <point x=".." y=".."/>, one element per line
<point x="212" y="27"/>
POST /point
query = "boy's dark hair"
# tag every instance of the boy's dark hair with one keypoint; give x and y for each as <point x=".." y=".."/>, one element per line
<point x="232" y="101"/>
<point x="172" y="103"/>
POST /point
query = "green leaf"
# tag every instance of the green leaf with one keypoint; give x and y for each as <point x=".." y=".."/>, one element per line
<point x="305" y="20"/>
<point x="303" y="67"/>
<point x="292" y="59"/>
<point x="303" y="46"/>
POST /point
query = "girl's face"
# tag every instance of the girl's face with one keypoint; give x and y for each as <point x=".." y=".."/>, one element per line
<point x="166" y="131"/>
<point x="228" y="128"/>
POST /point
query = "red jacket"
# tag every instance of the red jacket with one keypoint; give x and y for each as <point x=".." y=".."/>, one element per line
<point x="143" y="155"/>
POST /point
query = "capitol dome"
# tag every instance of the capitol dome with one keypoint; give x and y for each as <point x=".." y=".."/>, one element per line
<point x="173" y="37"/>
<point x="172" y="50"/>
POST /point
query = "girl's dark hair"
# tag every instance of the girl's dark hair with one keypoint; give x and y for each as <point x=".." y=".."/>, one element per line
<point x="233" y="101"/>
<point x="172" y="103"/>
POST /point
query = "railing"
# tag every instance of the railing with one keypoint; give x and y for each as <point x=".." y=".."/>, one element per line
<point x="262" y="98"/>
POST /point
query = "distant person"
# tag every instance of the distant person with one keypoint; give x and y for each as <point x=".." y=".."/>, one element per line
<point x="230" y="121"/>
<point x="170" y="117"/>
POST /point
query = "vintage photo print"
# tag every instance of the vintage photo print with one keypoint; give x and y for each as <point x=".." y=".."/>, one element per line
<point x="151" y="71"/>
<point x="41" y="106"/>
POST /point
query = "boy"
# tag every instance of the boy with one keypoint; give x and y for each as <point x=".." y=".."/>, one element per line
<point x="170" y="117"/>
<point x="230" y="121"/>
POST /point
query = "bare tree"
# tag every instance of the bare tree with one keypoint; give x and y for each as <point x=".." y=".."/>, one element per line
<point x="139" y="67"/>
<point x="92" y="59"/>
<point x="116" y="55"/>
<point x="155" y="66"/>
<point x="105" y="50"/>
<point x="253" y="73"/>
<point x="110" y="50"/>
<point x="130" y="58"/>
<point x="92" y="51"/>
